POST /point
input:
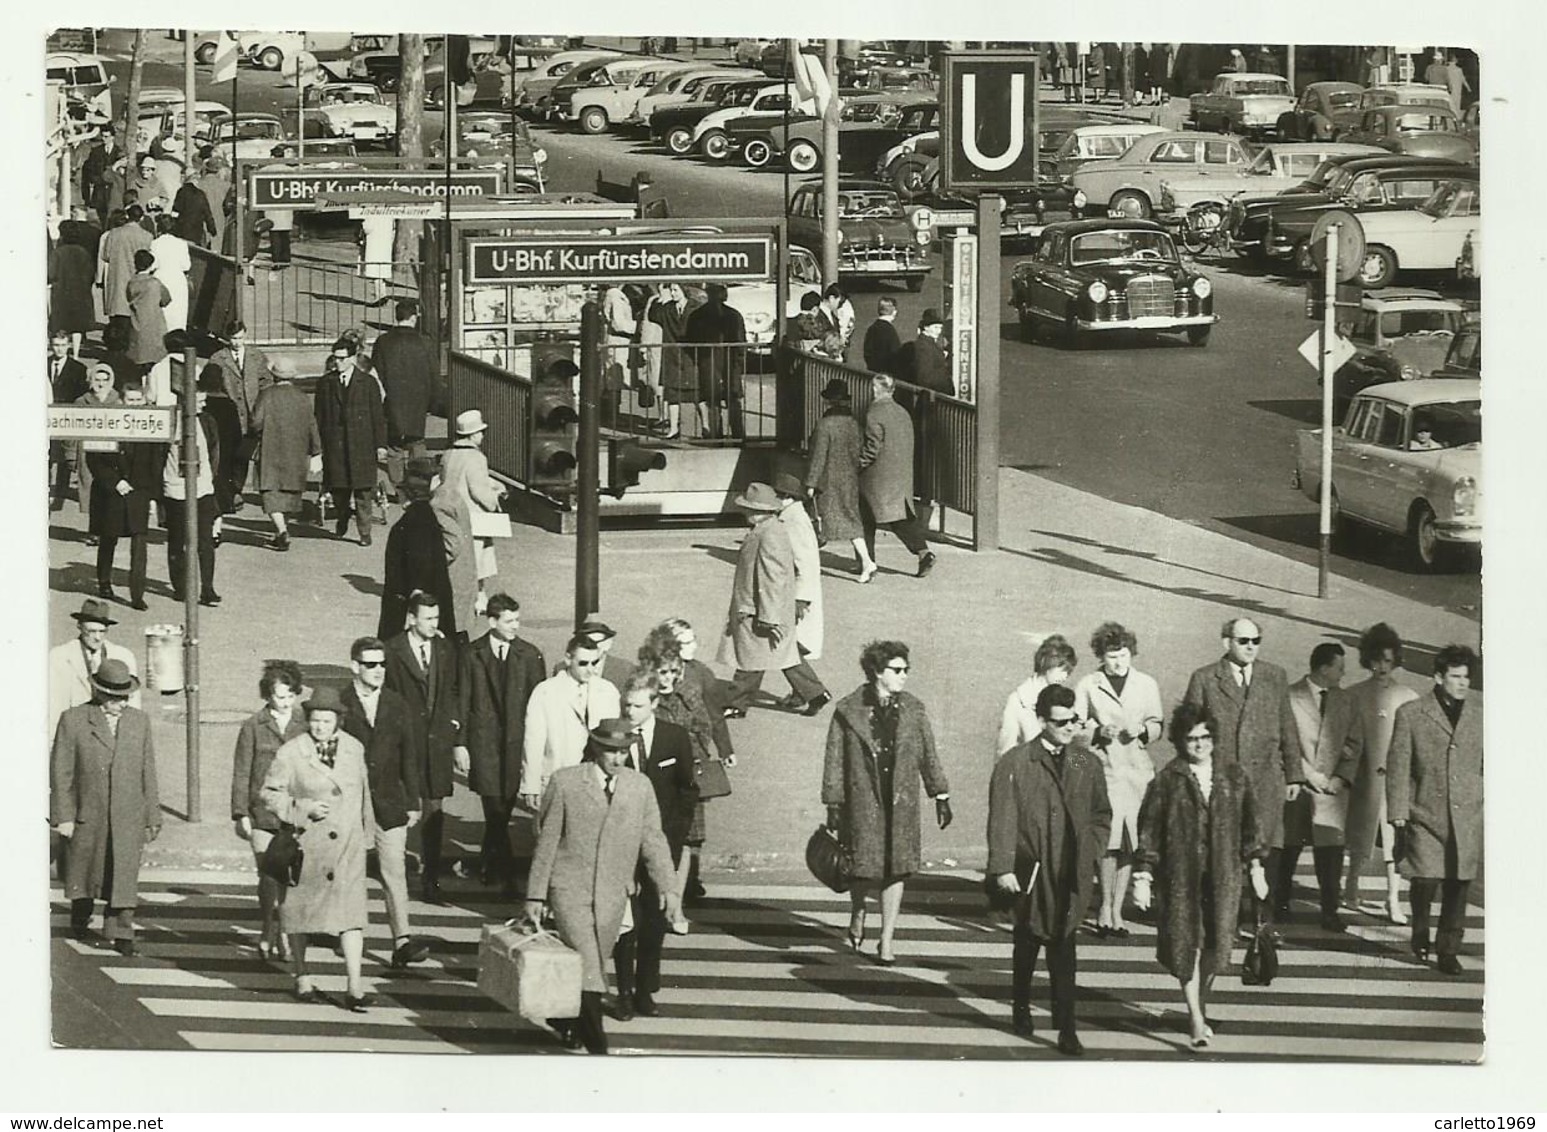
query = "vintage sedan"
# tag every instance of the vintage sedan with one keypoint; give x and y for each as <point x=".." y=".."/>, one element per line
<point x="1324" y="110"/>
<point x="1399" y="333"/>
<point x="1419" y="131"/>
<point x="1465" y="356"/>
<point x="1427" y="238"/>
<point x="1402" y="94"/>
<point x="869" y="125"/>
<point x="1098" y="141"/>
<point x="1278" y="165"/>
<point x="1092" y="276"/>
<point x="1242" y="103"/>
<point x="1250" y="212"/>
<point x="876" y="236"/>
<point x="757" y="302"/>
<point x="1130" y="185"/>
<point x="673" y="126"/>
<point x="709" y="133"/>
<point x="1407" y="459"/>
<point x="596" y="107"/>
<point x="532" y="90"/>
<point x="355" y="111"/>
<point x="682" y="88"/>
<point x="257" y="135"/>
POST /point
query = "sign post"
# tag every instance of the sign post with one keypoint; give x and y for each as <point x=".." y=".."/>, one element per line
<point x="191" y="583"/>
<point x="985" y="516"/>
<point x="1328" y="335"/>
<point x="588" y="471"/>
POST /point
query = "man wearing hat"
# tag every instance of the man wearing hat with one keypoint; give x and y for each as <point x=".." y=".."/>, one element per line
<point x="886" y="476"/>
<point x="760" y="630"/>
<point x="808" y="572"/>
<point x="598" y="824"/>
<point x="406" y="363"/>
<point x="72" y="664"/>
<point x="353" y="428"/>
<point x="881" y="341"/>
<point x="928" y="365"/>
<point x="611" y="668"/>
<point x="416" y="555"/>
<point x="104" y="802"/>
<point x="562" y="710"/>
<point x="467" y="487"/>
<point x="290" y="451"/>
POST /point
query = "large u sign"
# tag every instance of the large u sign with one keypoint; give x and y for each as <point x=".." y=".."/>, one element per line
<point x="988" y="124"/>
<point x="969" y="124"/>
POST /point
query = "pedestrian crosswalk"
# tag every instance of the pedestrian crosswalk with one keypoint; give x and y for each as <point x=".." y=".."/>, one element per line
<point x="767" y="970"/>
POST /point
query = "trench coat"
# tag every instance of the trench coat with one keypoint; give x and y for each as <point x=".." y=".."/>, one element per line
<point x="1128" y="766"/>
<point x="1183" y="842"/>
<point x="465" y="473"/>
<point x="588" y="851"/>
<point x="288" y="434"/>
<point x="1434" y="782"/>
<point x="416" y="560"/>
<point x="493" y="698"/>
<point x="763" y="591"/>
<point x="1256" y="729"/>
<point x="833" y="473"/>
<point x="115" y="266"/>
<point x="1316" y="818"/>
<point x="331" y="895"/>
<point x="716" y="330"/>
<point x="139" y="464"/>
<point x="106" y="785"/>
<point x="352" y="425"/>
<point x="69" y="682"/>
<point x="451" y="511"/>
<point x="1364" y="766"/>
<point x="884" y="839"/>
<point x="1034" y="816"/>
<point x="257" y="743"/>
<point x="886" y="478"/>
<point x="148" y="298"/>
<point x="808" y="577"/>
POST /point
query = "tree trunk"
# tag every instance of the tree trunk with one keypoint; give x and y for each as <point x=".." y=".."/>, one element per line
<point x="1127" y="79"/>
<point x="132" y="104"/>
<point x="410" y="135"/>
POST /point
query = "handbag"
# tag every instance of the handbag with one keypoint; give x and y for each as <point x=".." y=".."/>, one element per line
<point x="830" y="860"/>
<point x="1260" y="967"/>
<point x="644" y="394"/>
<point x="283" y="858"/>
<point x="713" y="781"/>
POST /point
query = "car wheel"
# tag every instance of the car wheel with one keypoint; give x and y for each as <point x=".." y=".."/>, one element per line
<point x="1198" y="335"/>
<point x="679" y="139"/>
<point x="1427" y="550"/>
<point x="715" y="145"/>
<point x="1379" y="268"/>
<point x="271" y="58"/>
<point x="1129" y="205"/>
<point x="908" y="179"/>
<point x="803" y="157"/>
<point x="593" y="120"/>
<point x="205" y="54"/>
<point x="756" y="154"/>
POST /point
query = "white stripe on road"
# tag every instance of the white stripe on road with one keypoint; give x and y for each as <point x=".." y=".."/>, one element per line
<point x="292" y="1041"/>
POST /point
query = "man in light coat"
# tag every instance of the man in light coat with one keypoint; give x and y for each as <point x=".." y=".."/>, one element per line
<point x="808" y="572"/>
<point x="560" y="715"/>
<point x="886" y="476"/>
<point x="761" y="630"/>
<point x="72" y="664"/>
<point x="1434" y="798"/>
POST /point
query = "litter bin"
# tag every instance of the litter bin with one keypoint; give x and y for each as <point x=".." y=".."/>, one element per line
<point x="164" y="658"/>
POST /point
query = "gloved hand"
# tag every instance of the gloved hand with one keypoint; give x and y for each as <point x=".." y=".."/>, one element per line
<point x="943" y="812"/>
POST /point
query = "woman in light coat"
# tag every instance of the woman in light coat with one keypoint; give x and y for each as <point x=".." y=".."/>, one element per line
<point x="466" y="486"/>
<point x="1122" y="712"/>
<point x="147" y="297"/>
<point x="1052" y="663"/>
<point x="318" y="784"/>
<point x="173" y="264"/>
<point x="808" y="565"/>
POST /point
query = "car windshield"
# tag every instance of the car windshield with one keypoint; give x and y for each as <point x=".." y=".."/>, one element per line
<point x="804" y="269"/>
<point x="1118" y="244"/>
<point x="1417" y="121"/>
<point x="346" y="95"/>
<point x="1453" y="198"/>
<point x="1260" y="86"/>
<point x="869" y="206"/>
<point x="1451" y="424"/>
<point x="257" y="130"/>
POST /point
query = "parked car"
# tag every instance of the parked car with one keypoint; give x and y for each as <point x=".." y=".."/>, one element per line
<point x="355" y="111"/>
<point x="1241" y="102"/>
<point x="1431" y="494"/>
<point x="531" y="88"/>
<point x="1101" y="141"/>
<point x="207" y="44"/>
<point x="591" y="72"/>
<point x="1399" y="334"/>
<point x="1409" y="94"/>
<point x="1426" y="238"/>
<point x="596" y="107"/>
<point x="682" y="88"/>
<point x="491" y="139"/>
<point x="876" y="237"/>
<point x="256" y="135"/>
<point x="1418" y="131"/>
<point x="1250" y="212"/>
<point x="1324" y="110"/>
<point x="709" y="132"/>
<point x="1276" y="165"/>
<point x="1097" y="276"/>
<point x="673" y="126"/>
<point x="269" y="50"/>
<point x="1130" y="185"/>
<point x="87" y="86"/>
<point x="869" y="125"/>
<point x="167" y="122"/>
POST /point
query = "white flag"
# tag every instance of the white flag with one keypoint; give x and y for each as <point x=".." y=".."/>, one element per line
<point x="226" y="53"/>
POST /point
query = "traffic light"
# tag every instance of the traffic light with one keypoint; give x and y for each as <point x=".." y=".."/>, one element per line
<point x="555" y="431"/>
<point x="627" y="460"/>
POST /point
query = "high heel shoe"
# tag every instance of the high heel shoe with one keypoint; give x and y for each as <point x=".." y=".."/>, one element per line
<point x="856" y="941"/>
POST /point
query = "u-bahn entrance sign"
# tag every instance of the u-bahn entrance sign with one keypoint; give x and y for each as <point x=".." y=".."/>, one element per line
<point x="621" y="259"/>
<point x="300" y="187"/>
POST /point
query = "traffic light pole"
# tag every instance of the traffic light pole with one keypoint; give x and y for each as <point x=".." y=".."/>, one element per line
<point x="588" y="474"/>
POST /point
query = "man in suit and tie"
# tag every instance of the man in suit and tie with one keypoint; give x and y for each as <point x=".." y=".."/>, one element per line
<point x="72" y="664"/>
<point x="1249" y="698"/>
<point x="1324" y="717"/>
<point x="499" y="672"/>
<point x="244" y="374"/>
<point x="67" y="383"/>
<point x="394" y="759"/>
<point x="104" y="803"/>
<point x="422" y="668"/>
<point x="663" y="753"/>
<point x="560" y="715"/>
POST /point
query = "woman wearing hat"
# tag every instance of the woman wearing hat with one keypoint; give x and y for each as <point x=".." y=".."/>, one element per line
<point x="352" y="424"/>
<point x="599" y="822"/>
<point x="289" y="448"/>
<point x="833" y="473"/>
<point x="416" y="555"/>
<point x="104" y="802"/>
<point x="466" y="486"/>
<point x="317" y="783"/>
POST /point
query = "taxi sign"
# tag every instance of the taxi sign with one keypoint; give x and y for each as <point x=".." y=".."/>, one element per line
<point x="1342" y="350"/>
<point x="110" y="422"/>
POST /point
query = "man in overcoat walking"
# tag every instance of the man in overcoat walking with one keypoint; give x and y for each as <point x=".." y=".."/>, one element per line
<point x="289" y="448"/>
<point x="886" y="477"/>
<point x="405" y="361"/>
<point x="1434" y="798"/>
<point x="416" y="556"/>
<point x="72" y="664"/>
<point x="245" y="374"/>
<point x="1249" y="699"/>
<point x="1049" y="819"/>
<point x="809" y="623"/>
<point x="104" y="802"/>
<point x="498" y="673"/>
<point x="353" y="427"/>
<point x="760" y="630"/>
<point x="882" y="343"/>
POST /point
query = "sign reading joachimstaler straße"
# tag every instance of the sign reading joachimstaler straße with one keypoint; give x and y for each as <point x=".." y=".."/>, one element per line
<point x="300" y="188"/>
<point x="623" y="259"/>
<point x="109" y="422"/>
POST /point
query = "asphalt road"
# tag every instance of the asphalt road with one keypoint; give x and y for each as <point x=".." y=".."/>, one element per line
<point x="1203" y="435"/>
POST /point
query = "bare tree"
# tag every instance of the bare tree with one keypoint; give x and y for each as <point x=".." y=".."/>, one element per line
<point x="132" y="105"/>
<point x="1128" y="78"/>
<point x="410" y="133"/>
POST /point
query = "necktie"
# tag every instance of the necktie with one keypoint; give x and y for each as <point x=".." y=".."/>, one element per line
<point x="424" y="655"/>
<point x="499" y="651"/>
<point x="1321" y="701"/>
<point x="609" y="784"/>
<point x="636" y="753"/>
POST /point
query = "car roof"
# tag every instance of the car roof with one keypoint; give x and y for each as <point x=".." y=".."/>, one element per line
<point x="257" y="117"/>
<point x="1191" y="135"/>
<point x="1390" y="298"/>
<point x="1329" y="148"/>
<point x="71" y="59"/>
<point x="1400" y="161"/>
<point x="1250" y="75"/>
<point x="1105" y="129"/>
<point x="1333" y="84"/>
<point x="1101" y="224"/>
<point x="1427" y="390"/>
<point x="1432" y="87"/>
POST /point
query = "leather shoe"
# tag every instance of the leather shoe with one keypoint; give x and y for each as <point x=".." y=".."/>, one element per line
<point x="140" y="604"/>
<point x="356" y="1005"/>
<point x="210" y="598"/>
<point x="1332" y="922"/>
<point x="815" y="705"/>
<point x="432" y="894"/>
<point x="126" y="948"/>
<point x="409" y="951"/>
<point x="645" y="1006"/>
<point x="926" y="563"/>
<point x="281" y="543"/>
<point x="1449" y="965"/>
<point x="80" y="931"/>
<point x="623" y="1008"/>
<point x="365" y="539"/>
<point x="1021" y="1021"/>
<point x="106" y="593"/>
<point x="1069" y="1044"/>
<point x="341" y="528"/>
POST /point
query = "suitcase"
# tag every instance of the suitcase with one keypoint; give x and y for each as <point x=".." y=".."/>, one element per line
<point x="529" y="971"/>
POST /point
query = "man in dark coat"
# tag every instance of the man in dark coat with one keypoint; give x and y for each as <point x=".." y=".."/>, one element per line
<point x="416" y="557"/>
<point x="194" y="220"/>
<point x="123" y="483"/>
<point x="929" y="367"/>
<point x="353" y="427"/>
<point x="1434" y="798"/>
<point x="1249" y="699"/>
<point x="67" y="383"/>
<point x="498" y="673"/>
<point x="405" y="360"/>
<point x="394" y="759"/>
<point x="886" y="477"/>
<point x="105" y="152"/>
<point x="719" y="335"/>
<point x="422" y="668"/>
<point x="882" y="343"/>
<point x="1048" y="823"/>
<point x="104" y="802"/>
<point x="663" y="753"/>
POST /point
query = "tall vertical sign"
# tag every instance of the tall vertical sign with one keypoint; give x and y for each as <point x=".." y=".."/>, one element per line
<point x="964" y="316"/>
<point x="989" y="121"/>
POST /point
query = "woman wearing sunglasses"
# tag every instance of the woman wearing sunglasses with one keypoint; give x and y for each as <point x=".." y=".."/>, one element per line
<point x="1198" y="824"/>
<point x="878" y="745"/>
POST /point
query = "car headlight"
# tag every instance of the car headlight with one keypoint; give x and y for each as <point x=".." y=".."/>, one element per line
<point x="1464" y="496"/>
<point x="922" y="236"/>
<point x="1079" y="198"/>
<point x="539" y="155"/>
<point x="1409" y="372"/>
<point x="1097" y="292"/>
<point x="1202" y="287"/>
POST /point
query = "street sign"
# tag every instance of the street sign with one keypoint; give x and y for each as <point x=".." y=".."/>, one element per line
<point x="964" y="316"/>
<point x="955" y="218"/>
<point x="638" y="259"/>
<point x="923" y="219"/>
<point x="300" y="188"/>
<point x="110" y="423"/>
<point x="1342" y="351"/>
<point x="988" y="120"/>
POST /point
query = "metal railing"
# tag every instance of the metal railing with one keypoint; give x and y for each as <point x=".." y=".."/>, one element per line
<point x="725" y="393"/>
<point x="503" y="397"/>
<point x="312" y="302"/>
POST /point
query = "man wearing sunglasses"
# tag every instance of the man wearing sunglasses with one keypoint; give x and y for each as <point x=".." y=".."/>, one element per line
<point x="1049" y="819"/>
<point x="1249" y="699"/>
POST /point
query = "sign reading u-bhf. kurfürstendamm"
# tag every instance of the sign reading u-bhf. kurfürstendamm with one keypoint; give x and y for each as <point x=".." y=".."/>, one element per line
<point x="300" y="188"/>
<point x="110" y="422"/>
<point x="621" y="259"/>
